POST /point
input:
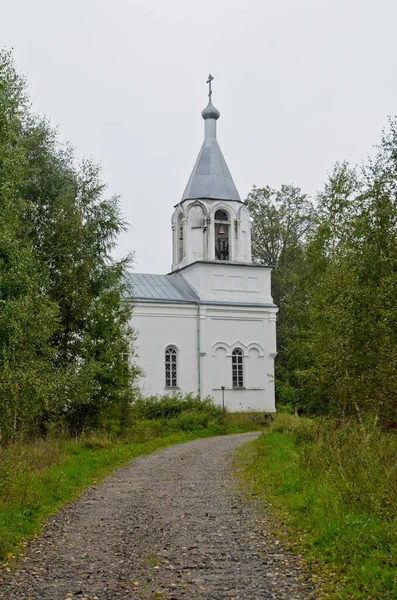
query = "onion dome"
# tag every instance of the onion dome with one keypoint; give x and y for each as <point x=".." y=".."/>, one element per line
<point x="210" y="112"/>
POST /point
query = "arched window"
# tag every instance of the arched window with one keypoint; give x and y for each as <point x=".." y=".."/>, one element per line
<point x="179" y="238"/>
<point x="171" y="371"/>
<point x="221" y="235"/>
<point x="237" y="368"/>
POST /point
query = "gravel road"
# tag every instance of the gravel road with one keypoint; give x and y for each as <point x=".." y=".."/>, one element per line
<point x="171" y="525"/>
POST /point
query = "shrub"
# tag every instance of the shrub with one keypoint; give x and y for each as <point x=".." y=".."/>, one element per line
<point x="170" y="406"/>
<point x="190" y="421"/>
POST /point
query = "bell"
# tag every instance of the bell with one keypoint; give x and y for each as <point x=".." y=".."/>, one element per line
<point x="221" y="230"/>
<point x="181" y="234"/>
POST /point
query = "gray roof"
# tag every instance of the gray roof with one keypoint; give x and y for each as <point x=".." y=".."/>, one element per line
<point x="210" y="177"/>
<point x="164" y="288"/>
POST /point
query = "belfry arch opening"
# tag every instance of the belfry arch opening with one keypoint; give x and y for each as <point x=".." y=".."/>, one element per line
<point x="222" y="229"/>
<point x="179" y="238"/>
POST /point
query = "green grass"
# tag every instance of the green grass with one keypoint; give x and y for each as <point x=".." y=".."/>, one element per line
<point x="38" y="477"/>
<point x="331" y="491"/>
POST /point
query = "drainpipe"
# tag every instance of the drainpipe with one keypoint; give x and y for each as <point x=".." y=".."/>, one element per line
<point x="198" y="350"/>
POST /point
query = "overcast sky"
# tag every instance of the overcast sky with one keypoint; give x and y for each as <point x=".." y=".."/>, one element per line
<point x="299" y="84"/>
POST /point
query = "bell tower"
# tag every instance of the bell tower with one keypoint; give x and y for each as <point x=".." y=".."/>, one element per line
<point x="210" y="223"/>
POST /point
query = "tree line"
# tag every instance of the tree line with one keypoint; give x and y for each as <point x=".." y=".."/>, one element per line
<point x="65" y="330"/>
<point x="335" y="282"/>
<point x="65" y="334"/>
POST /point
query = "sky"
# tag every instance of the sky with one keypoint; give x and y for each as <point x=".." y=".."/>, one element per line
<point x="299" y="85"/>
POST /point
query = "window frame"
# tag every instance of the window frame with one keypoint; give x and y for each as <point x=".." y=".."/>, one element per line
<point x="171" y="361"/>
<point x="238" y="369"/>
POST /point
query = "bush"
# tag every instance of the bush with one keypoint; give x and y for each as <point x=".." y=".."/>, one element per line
<point x="190" y="421"/>
<point x="169" y="407"/>
<point x="145" y="430"/>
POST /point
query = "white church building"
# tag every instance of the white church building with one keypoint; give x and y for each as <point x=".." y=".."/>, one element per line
<point x="210" y="323"/>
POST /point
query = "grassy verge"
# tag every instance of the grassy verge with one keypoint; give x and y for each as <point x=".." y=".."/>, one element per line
<point x="331" y="491"/>
<point x="38" y="477"/>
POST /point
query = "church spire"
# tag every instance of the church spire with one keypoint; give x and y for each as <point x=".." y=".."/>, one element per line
<point x="210" y="177"/>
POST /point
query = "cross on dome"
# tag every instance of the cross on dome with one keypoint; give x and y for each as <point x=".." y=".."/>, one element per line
<point x="210" y="177"/>
<point x="210" y="112"/>
<point x="210" y="78"/>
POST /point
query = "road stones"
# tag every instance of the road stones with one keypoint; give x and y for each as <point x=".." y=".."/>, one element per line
<point x="167" y="526"/>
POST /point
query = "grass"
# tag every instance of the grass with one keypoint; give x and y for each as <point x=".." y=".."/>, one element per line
<point x="38" y="477"/>
<point x="332" y="492"/>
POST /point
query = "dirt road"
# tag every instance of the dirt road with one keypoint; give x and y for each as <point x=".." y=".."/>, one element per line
<point x="170" y="526"/>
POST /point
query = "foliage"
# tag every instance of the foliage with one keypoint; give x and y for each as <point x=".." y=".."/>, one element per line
<point x="28" y="317"/>
<point x="335" y="282"/>
<point x="282" y="222"/>
<point x="333" y="484"/>
<point x="352" y="304"/>
<point x="173" y="405"/>
<point x="64" y="327"/>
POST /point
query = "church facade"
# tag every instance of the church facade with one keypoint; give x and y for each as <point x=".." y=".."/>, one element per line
<point x="209" y="326"/>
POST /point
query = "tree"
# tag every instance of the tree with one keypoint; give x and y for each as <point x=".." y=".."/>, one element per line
<point x="64" y="325"/>
<point x="28" y="318"/>
<point x="353" y="310"/>
<point x="335" y="281"/>
<point x="282" y="220"/>
<point x="73" y="228"/>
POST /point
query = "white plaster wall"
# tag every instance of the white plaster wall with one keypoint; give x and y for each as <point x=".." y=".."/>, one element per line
<point x="243" y="250"/>
<point x="230" y="283"/>
<point x="222" y="328"/>
<point x="158" y="326"/>
<point x="252" y="329"/>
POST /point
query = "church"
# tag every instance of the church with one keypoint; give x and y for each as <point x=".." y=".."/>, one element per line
<point x="209" y="326"/>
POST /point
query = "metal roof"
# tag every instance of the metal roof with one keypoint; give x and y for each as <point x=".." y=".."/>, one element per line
<point x="210" y="177"/>
<point x="164" y="288"/>
<point x="210" y="112"/>
<point x="173" y="289"/>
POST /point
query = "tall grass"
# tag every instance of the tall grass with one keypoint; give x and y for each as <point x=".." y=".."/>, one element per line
<point x="336" y="485"/>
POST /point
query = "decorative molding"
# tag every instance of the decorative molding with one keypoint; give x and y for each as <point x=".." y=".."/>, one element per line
<point x="219" y="345"/>
<point x="237" y="344"/>
<point x="241" y="209"/>
<point x="222" y="206"/>
<point x="200" y="204"/>
<point x="174" y="346"/>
